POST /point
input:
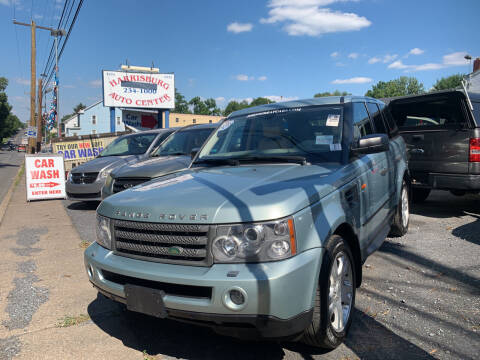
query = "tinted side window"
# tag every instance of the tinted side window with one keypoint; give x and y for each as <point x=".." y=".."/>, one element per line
<point x="377" y="118"/>
<point x="361" y="121"/>
<point x="476" y="112"/>
<point x="389" y="120"/>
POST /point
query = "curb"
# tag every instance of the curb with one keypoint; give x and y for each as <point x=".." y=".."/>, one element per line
<point x="8" y="195"/>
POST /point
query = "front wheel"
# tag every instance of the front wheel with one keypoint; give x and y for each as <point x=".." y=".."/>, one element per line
<point x="334" y="298"/>
<point x="402" y="215"/>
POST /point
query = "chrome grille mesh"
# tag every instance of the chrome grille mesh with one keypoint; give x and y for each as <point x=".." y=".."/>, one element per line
<point x="172" y="243"/>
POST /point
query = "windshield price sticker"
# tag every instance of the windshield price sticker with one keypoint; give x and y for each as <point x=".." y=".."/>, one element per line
<point x="323" y="139"/>
<point x="333" y="120"/>
<point x="165" y="183"/>
<point x="335" y="147"/>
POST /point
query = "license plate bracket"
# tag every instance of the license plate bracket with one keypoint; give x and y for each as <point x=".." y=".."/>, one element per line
<point x="145" y="300"/>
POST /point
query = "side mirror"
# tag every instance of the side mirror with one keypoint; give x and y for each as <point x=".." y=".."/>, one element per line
<point x="371" y="144"/>
<point x="194" y="152"/>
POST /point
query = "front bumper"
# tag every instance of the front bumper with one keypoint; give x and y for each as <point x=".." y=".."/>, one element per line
<point x="279" y="295"/>
<point x="85" y="192"/>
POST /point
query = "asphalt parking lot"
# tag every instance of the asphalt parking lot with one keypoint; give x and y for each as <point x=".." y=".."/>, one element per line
<point x="420" y="297"/>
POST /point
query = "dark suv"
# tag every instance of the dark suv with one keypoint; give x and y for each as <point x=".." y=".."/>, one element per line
<point x="443" y="140"/>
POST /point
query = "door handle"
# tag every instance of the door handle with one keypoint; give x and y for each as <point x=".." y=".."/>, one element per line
<point x="418" y="137"/>
<point x="417" y="151"/>
<point x="384" y="172"/>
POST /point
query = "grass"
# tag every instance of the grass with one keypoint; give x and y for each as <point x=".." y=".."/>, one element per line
<point x="20" y="174"/>
<point x="146" y="356"/>
<point x="68" y="320"/>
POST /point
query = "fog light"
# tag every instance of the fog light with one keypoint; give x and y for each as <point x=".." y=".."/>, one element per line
<point x="237" y="297"/>
<point x="90" y="271"/>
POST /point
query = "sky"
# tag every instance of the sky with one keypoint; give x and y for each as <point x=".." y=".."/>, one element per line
<point x="242" y="49"/>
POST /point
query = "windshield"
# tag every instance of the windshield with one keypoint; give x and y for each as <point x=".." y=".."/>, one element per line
<point x="129" y="145"/>
<point x="182" y="142"/>
<point x="314" y="133"/>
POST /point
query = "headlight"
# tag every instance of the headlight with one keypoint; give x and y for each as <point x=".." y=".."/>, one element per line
<point x="102" y="230"/>
<point x="255" y="242"/>
<point x="108" y="182"/>
<point x="104" y="173"/>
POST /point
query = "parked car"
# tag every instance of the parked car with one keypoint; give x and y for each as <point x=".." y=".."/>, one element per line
<point x="174" y="154"/>
<point x="266" y="233"/>
<point x="85" y="182"/>
<point x="443" y="139"/>
<point x="21" y="148"/>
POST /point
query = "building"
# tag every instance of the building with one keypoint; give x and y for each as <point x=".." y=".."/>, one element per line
<point x="473" y="79"/>
<point x="95" y="119"/>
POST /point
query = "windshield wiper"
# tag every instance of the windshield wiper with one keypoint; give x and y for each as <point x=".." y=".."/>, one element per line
<point x="218" y="161"/>
<point x="254" y="159"/>
<point x="302" y="160"/>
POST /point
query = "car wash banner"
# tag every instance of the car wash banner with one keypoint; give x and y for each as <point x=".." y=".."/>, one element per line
<point x="45" y="177"/>
<point x="138" y="90"/>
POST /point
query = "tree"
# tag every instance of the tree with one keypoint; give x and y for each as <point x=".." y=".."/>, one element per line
<point x="450" y="82"/>
<point x="235" y="105"/>
<point x="9" y="122"/>
<point x="181" y="104"/>
<point x="335" y="93"/>
<point x="399" y="87"/>
<point x="77" y="108"/>
<point x="207" y="107"/>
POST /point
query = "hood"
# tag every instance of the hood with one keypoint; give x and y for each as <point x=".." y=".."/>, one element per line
<point x="153" y="167"/>
<point x="225" y="194"/>
<point x="101" y="163"/>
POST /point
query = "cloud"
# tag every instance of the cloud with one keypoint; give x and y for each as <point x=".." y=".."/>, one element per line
<point x="353" y="55"/>
<point x="69" y="86"/>
<point x="22" y="81"/>
<point x="220" y="99"/>
<point x="449" y="60"/>
<point x="95" y="83"/>
<point x="38" y="16"/>
<point x="8" y="2"/>
<point x="354" y="80"/>
<point x="340" y="64"/>
<point x="334" y="54"/>
<point x="309" y="17"/>
<point x="262" y="78"/>
<point x="243" y="77"/>
<point x="237" y="28"/>
<point x="385" y="59"/>
<point x="416" y="51"/>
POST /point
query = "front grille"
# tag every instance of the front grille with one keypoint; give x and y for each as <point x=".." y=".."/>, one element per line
<point x="170" y="243"/>
<point x="169" y="288"/>
<point x="84" y="178"/>
<point x="121" y="184"/>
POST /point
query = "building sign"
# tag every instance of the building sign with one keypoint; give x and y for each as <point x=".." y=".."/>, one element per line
<point x="139" y="90"/>
<point x="140" y="120"/>
<point x="45" y="177"/>
<point x="31" y="131"/>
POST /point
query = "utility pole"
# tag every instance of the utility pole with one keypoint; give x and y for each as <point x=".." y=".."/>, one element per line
<point x="39" y="116"/>
<point x="56" y="33"/>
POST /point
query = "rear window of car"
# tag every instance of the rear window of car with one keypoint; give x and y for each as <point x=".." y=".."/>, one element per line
<point x="435" y="113"/>
<point x="476" y="112"/>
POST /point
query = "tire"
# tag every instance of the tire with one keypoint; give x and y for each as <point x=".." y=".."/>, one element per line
<point x="325" y="330"/>
<point x="420" y="194"/>
<point x="401" y="220"/>
<point x="458" y="192"/>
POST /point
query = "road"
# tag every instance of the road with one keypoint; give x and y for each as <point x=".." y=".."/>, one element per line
<point x="420" y="298"/>
<point x="9" y="164"/>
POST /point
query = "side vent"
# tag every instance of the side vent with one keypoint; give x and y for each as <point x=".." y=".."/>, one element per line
<point x="351" y="196"/>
